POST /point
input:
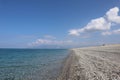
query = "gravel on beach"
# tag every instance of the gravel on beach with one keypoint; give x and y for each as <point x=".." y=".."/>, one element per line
<point x="92" y="63"/>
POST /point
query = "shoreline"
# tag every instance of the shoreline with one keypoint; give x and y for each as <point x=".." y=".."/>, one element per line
<point x="92" y="63"/>
<point x="67" y="66"/>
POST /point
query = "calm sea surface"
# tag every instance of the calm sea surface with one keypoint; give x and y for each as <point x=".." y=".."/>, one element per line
<point x="31" y="64"/>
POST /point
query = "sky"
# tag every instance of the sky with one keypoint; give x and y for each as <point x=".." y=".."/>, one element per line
<point x="58" y="23"/>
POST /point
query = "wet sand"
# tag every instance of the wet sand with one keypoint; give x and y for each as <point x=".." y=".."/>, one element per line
<point x="92" y="63"/>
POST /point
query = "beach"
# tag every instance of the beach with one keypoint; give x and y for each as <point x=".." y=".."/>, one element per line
<point x="92" y="63"/>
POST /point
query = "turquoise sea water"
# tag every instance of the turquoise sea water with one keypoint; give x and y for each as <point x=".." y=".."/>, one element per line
<point x="31" y="64"/>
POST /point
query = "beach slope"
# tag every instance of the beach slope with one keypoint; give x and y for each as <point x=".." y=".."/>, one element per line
<point x="92" y="63"/>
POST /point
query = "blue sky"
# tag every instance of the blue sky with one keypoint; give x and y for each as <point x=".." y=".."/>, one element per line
<point x="58" y="23"/>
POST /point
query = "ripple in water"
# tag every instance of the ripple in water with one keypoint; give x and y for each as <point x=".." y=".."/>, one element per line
<point x="30" y="64"/>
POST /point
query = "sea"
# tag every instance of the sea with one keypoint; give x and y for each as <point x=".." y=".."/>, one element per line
<point x="31" y="64"/>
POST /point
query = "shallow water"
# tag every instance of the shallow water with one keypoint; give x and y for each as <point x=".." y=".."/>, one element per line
<point x="30" y="64"/>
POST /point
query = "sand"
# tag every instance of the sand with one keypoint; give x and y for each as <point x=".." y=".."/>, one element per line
<point x="92" y="63"/>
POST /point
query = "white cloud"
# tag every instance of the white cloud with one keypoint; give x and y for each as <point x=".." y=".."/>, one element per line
<point x="99" y="24"/>
<point x="74" y="32"/>
<point x="49" y="37"/>
<point x="111" y="32"/>
<point x="49" y="41"/>
<point x="96" y="25"/>
<point x="116" y="31"/>
<point x="112" y="15"/>
<point x="40" y="42"/>
<point x="106" y="33"/>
